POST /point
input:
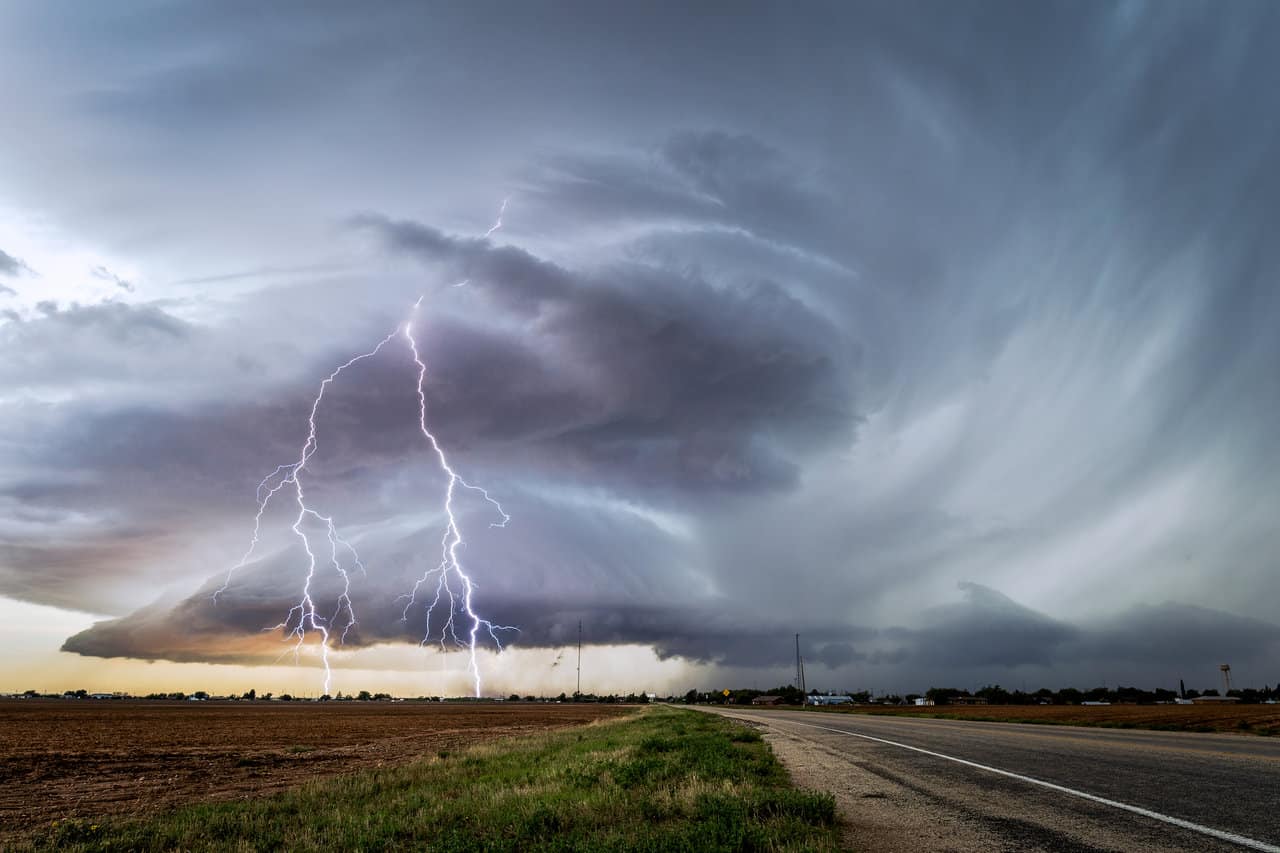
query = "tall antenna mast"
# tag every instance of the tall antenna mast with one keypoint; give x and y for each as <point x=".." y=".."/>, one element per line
<point x="799" y="674"/>
<point x="1226" y="678"/>
<point x="578" y="691"/>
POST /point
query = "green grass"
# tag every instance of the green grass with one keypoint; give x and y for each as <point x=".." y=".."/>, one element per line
<point x="664" y="779"/>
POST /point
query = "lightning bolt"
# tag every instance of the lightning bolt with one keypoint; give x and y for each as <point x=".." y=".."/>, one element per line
<point x="450" y="566"/>
<point x="302" y="617"/>
<point x="498" y="224"/>
<point x="454" y="589"/>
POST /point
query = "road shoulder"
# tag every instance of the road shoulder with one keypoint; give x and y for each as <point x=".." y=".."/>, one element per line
<point x="878" y="814"/>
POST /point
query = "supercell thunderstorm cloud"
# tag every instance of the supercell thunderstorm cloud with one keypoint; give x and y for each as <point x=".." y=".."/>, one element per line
<point x="940" y="334"/>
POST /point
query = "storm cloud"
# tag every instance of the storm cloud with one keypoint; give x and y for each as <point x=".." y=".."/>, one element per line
<point x="941" y="335"/>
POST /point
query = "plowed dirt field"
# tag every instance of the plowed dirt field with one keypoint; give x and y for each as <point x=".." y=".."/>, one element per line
<point x="90" y="759"/>
<point x="1245" y="719"/>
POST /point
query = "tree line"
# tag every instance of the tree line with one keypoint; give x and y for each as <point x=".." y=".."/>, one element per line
<point x="994" y="694"/>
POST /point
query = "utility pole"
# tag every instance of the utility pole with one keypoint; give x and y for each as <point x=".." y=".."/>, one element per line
<point x="578" y="691"/>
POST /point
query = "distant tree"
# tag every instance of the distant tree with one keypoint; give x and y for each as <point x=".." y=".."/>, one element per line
<point x="1134" y="695"/>
<point x="514" y="697"/>
<point x="200" y="694"/>
<point x="994" y="694"/>
<point x="251" y="695"/>
<point x="691" y="697"/>
<point x="530" y="699"/>
<point x="325" y="697"/>
<point x="285" y="697"/>
<point x="29" y="694"/>
<point x="944" y="695"/>
<point x="364" y="696"/>
<point x="561" y="698"/>
<point x="268" y="696"/>
<point x="1069" y="696"/>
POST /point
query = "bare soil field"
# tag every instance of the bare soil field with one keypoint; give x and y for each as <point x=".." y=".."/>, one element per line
<point x="1248" y="719"/>
<point x="92" y="759"/>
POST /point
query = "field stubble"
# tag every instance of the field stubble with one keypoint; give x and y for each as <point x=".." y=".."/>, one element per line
<point x="1247" y="719"/>
<point x="96" y="759"/>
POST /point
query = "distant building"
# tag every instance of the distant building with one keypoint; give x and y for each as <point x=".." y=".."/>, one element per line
<point x="969" y="700"/>
<point x="767" y="700"/>
<point x="1209" y="700"/>
<point x="829" y="700"/>
<point x="922" y="701"/>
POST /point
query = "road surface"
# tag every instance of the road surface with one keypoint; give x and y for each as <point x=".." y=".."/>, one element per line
<point x="912" y="784"/>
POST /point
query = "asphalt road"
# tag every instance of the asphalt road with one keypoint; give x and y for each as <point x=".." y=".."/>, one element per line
<point x="1191" y="785"/>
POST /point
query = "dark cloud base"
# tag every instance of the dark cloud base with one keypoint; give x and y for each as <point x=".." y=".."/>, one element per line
<point x="986" y="635"/>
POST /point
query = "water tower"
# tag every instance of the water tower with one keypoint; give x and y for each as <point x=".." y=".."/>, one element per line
<point x="1226" y="678"/>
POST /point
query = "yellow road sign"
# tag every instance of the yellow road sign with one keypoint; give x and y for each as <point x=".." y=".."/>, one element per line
<point x="726" y="691"/>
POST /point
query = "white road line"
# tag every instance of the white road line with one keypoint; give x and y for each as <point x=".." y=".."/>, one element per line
<point x="1062" y="789"/>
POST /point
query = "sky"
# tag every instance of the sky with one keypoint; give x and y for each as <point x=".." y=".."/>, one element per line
<point x="942" y="334"/>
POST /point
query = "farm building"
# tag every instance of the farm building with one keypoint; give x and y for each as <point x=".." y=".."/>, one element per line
<point x="830" y="700"/>
<point x="767" y="700"/>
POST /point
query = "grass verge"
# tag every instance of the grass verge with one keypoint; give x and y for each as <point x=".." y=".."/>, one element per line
<point x="664" y="779"/>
